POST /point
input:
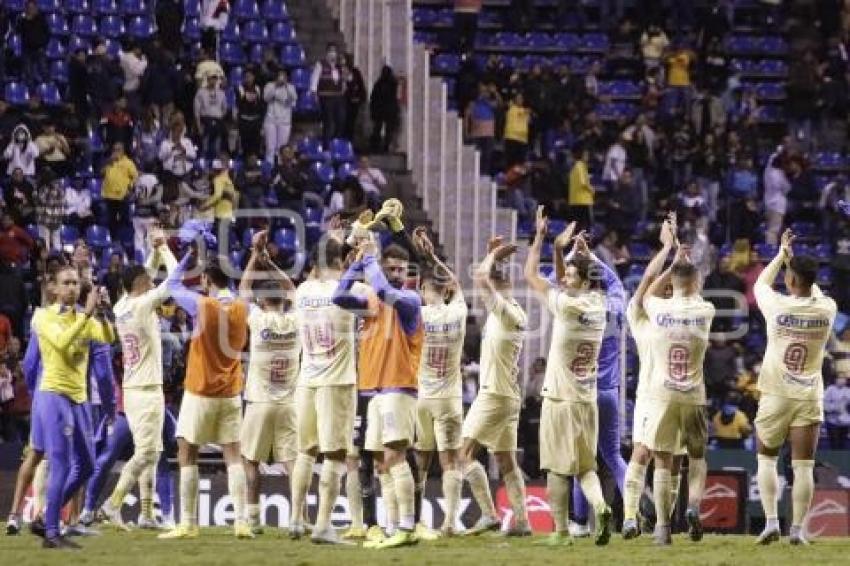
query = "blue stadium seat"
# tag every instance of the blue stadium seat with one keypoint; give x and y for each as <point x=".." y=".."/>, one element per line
<point x="235" y="76"/>
<point x="56" y="49"/>
<point x="59" y="71"/>
<point x="231" y="53"/>
<point x="15" y="6"/>
<point x="15" y="44"/>
<point x="546" y="251"/>
<point x="78" y="43"/>
<point x="546" y="270"/>
<point x="445" y="63"/>
<point x="640" y="250"/>
<point x="766" y="252"/>
<point x="140" y="27"/>
<point x="556" y="226"/>
<point x="49" y="94"/>
<point x="446" y="18"/>
<point x="539" y="40"/>
<point x="312" y="215"/>
<point x="112" y="27"/>
<point x="84" y="26"/>
<point x="113" y="47"/>
<point x="775" y="45"/>
<point x="596" y="42"/>
<point x="256" y="53"/>
<point x="192" y="29"/>
<point x="286" y="239"/>
<point x="49" y="6"/>
<point x="246" y="10"/>
<point x="236" y="259"/>
<point x="308" y="103"/>
<point x="424" y="17"/>
<point x="342" y="150"/>
<point x="95" y="187"/>
<point x="68" y="235"/>
<point x="98" y="236"/>
<point x="58" y="24"/>
<point x="292" y="56"/>
<point x="232" y="32"/>
<point x="247" y="236"/>
<point x="311" y="148"/>
<point x="75" y="6"/>
<point x="105" y="7"/>
<point x="567" y="41"/>
<point x="16" y="93"/>
<point x="275" y="11"/>
<point x="255" y="31"/>
<point x="323" y="172"/>
<point x="134" y="7"/>
<point x="282" y="33"/>
<point x="32" y="230"/>
<point x="300" y="77"/>
<point x="192" y="8"/>
<point x="824" y="276"/>
<point x="804" y="229"/>
<point x="636" y="270"/>
<point x="345" y="170"/>
<point x="823" y="252"/>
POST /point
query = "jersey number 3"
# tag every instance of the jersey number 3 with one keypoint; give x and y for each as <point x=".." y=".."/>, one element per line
<point x="585" y="357"/>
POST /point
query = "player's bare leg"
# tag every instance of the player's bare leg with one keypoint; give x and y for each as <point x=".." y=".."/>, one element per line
<point x="635" y="480"/>
<point x="804" y="442"/>
<point x="474" y="473"/>
<point x="768" y="483"/>
<point x="187" y="457"/>
<point x="515" y="486"/>
<point x="452" y="485"/>
<point x="26" y="473"/>
<point x="333" y="468"/>
<point x="661" y="487"/>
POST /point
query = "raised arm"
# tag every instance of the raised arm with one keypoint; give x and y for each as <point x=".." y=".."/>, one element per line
<point x="768" y="275"/>
<point x="656" y="265"/>
<point x="343" y="297"/>
<point x="258" y="244"/>
<point x="185" y="298"/>
<point x="532" y="264"/>
<point x="52" y="332"/>
<point x="406" y="303"/>
<point x="562" y="242"/>
<point x="656" y="289"/>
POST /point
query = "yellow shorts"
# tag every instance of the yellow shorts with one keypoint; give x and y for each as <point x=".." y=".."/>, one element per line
<point x="144" y="408"/>
<point x="639" y="421"/>
<point x="325" y="417"/>
<point x="568" y="435"/>
<point x="670" y="424"/>
<point x="205" y="420"/>
<point x="391" y="418"/>
<point x="438" y="424"/>
<point x="776" y="415"/>
<point x="268" y="429"/>
<point x="492" y="421"/>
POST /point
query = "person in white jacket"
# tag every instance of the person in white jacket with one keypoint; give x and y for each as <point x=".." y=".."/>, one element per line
<point x="776" y="189"/>
<point x="280" y="96"/>
<point x="214" y="17"/>
<point x="177" y="154"/>
<point x="133" y="63"/>
<point x="21" y="152"/>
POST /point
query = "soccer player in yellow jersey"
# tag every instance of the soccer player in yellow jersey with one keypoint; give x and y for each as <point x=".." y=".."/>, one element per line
<point x="639" y="325"/>
<point x="791" y="383"/>
<point x="63" y="338"/>
<point x="569" y="417"/>
<point x="439" y="408"/>
<point x="144" y="403"/>
<point x="678" y="330"/>
<point x="324" y="397"/>
<point x="268" y="426"/>
<point x="494" y="416"/>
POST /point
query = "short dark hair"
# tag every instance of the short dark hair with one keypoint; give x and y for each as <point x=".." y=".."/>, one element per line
<point x="394" y="251"/>
<point x="130" y="274"/>
<point x="583" y="266"/>
<point x="329" y="251"/>
<point x="216" y="274"/>
<point x="683" y="270"/>
<point x="805" y="268"/>
<point x="437" y="277"/>
<point x="271" y="292"/>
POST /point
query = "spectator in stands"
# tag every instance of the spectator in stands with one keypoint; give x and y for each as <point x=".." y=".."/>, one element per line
<point x="725" y="283"/>
<point x="250" y="109"/>
<point x="371" y="179"/>
<point x="836" y="405"/>
<point x="731" y="425"/>
<point x="169" y="23"/>
<point x="147" y="196"/>
<point x="210" y="109"/>
<point x="281" y="97"/>
<point x="707" y="113"/>
<point x="5" y="28"/>
<point x="804" y="81"/>
<point x="581" y="193"/>
<point x="19" y="197"/>
<point x="682" y="151"/>
<point x="269" y="67"/>
<point x="328" y="84"/>
<point x="147" y="138"/>
<point x="15" y="243"/>
<point x="624" y="202"/>
<point x="36" y="115"/>
<point x="692" y="206"/>
<point x="465" y="23"/>
<point x="289" y="179"/>
<point x="119" y="174"/>
<point x="111" y="277"/>
<point x="611" y="252"/>
<point x="50" y="211"/>
<point x="117" y="124"/>
<point x="160" y="84"/>
<point x="516" y="134"/>
<point x="519" y="193"/>
<point x="103" y="77"/>
<point x="21" y="152"/>
<point x="8" y="120"/>
<point x="78" y="212"/>
<point x="480" y="123"/>
<point x="177" y="154"/>
<point x="721" y="374"/>
<point x="615" y="163"/>
<point x="214" y="17"/>
<point x="535" y="378"/>
<point x="355" y="95"/>
<point x="35" y="34"/>
<point x="384" y="110"/>
<point x="776" y="189"/>
<point x="715" y="67"/>
<point x="207" y="67"/>
<point x="54" y="150"/>
<point x="653" y="43"/>
<point x="133" y="63"/>
<point x="679" y="78"/>
<point x="251" y="185"/>
<point x="347" y="200"/>
<point x="224" y="197"/>
<point x="78" y="83"/>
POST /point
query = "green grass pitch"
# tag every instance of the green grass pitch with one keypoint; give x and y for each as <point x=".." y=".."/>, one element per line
<point x="218" y="547"/>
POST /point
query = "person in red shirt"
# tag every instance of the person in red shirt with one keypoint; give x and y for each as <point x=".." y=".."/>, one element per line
<point x="15" y="242"/>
